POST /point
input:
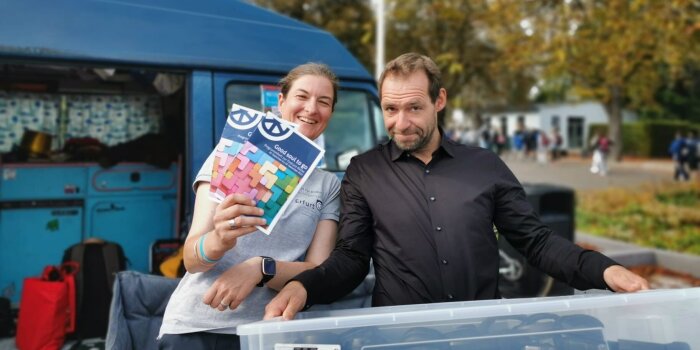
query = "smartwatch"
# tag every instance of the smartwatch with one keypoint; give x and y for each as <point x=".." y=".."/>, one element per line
<point x="268" y="268"/>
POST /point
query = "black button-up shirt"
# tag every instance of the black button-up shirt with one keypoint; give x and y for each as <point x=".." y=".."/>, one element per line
<point x="429" y="230"/>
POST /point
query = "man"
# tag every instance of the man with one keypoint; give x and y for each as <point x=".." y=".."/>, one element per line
<point x="423" y="208"/>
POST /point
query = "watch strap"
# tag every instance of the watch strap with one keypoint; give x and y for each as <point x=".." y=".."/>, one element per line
<point x="266" y="276"/>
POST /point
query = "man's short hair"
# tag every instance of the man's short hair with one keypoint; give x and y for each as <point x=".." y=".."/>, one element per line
<point x="410" y="63"/>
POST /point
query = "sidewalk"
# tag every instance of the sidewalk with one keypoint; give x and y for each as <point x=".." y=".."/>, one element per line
<point x="574" y="172"/>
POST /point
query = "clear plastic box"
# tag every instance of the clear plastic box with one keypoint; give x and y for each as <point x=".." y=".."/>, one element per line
<point x="658" y="319"/>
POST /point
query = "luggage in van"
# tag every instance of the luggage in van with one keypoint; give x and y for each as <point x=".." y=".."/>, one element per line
<point x="99" y="262"/>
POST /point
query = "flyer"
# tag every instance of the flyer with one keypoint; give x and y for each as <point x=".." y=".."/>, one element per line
<point x="270" y="167"/>
<point x="240" y="123"/>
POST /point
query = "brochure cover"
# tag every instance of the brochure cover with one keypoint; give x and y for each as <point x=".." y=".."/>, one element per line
<point x="239" y="126"/>
<point x="270" y="167"/>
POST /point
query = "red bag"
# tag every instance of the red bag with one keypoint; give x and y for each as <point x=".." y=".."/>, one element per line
<point x="47" y="308"/>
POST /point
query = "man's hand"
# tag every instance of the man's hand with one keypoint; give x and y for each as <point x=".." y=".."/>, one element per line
<point x="290" y="300"/>
<point x="620" y="279"/>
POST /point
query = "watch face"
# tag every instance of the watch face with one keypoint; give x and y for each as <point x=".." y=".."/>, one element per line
<point x="269" y="266"/>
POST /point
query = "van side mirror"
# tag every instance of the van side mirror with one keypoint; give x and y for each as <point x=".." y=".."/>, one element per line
<point x="343" y="158"/>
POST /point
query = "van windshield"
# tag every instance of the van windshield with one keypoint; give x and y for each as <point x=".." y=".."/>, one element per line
<point x="353" y="128"/>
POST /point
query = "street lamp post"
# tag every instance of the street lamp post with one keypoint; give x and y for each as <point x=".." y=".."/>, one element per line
<point x="379" y="38"/>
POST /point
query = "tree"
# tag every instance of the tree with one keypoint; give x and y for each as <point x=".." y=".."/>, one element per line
<point x="620" y="51"/>
<point x="445" y="31"/>
<point x="637" y="54"/>
<point x="679" y="98"/>
<point x="350" y="21"/>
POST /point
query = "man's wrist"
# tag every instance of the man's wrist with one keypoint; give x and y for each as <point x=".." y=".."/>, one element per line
<point x="315" y="283"/>
<point x="308" y="303"/>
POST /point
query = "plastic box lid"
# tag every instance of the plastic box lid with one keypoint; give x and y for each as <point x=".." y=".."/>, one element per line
<point x="657" y="319"/>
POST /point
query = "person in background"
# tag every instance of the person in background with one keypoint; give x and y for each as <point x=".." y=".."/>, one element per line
<point x="679" y="152"/>
<point x="233" y="270"/>
<point x="519" y="143"/>
<point x="692" y="144"/>
<point x="500" y="141"/>
<point x="423" y="208"/>
<point x="557" y="141"/>
<point x="601" y="147"/>
<point x="543" y="146"/>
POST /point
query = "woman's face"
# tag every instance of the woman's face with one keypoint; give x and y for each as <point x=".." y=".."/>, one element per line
<point x="309" y="104"/>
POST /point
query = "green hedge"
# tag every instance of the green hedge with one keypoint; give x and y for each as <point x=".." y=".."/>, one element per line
<point x="648" y="139"/>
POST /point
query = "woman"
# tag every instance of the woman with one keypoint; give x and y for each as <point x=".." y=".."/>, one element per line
<point x="223" y="251"/>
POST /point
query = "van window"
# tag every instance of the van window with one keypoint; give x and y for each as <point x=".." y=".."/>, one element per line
<point x="380" y="130"/>
<point x="350" y="131"/>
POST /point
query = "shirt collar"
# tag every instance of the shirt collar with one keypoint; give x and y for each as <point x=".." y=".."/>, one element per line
<point x="446" y="145"/>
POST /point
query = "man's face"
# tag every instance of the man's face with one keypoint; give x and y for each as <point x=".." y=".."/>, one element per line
<point x="409" y="116"/>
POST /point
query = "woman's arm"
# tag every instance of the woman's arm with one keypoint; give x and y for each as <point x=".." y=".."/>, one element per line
<point x="319" y="250"/>
<point x="236" y="283"/>
<point x="212" y="219"/>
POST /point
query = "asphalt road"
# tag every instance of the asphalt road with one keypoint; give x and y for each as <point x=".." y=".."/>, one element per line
<point x="574" y="172"/>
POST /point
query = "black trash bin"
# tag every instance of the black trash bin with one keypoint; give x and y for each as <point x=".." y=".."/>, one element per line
<point x="556" y="207"/>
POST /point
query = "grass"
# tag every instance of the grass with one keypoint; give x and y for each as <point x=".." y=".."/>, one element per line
<point x="665" y="216"/>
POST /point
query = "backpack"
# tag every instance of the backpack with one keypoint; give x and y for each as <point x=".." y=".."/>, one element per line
<point x="7" y="321"/>
<point x="603" y="144"/>
<point x="99" y="262"/>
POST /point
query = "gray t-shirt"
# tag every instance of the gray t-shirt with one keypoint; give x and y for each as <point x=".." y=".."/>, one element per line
<point x="316" y="200"/>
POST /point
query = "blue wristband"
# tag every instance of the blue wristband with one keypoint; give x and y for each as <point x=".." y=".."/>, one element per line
<point x="201" y="250"/>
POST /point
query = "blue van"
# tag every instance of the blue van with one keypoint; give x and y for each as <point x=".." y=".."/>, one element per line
<point x="113" y="70"/>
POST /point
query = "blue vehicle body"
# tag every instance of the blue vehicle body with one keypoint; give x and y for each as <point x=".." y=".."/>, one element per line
<point x="211" y="43"/>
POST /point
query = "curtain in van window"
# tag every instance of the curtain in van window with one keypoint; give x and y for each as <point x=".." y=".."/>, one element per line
<point x="111" y="119"/>
<point x="26" y="111"/>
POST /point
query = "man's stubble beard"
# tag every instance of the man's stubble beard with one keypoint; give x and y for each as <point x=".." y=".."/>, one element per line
<point x="418" y="145"/>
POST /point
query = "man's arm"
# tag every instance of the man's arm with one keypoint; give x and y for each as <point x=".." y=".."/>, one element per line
<point x="347" y="265"/>
<point x="319" y="250"/>
<point x="562" y="259"/>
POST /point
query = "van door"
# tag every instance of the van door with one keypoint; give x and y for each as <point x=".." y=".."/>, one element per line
<point x="353" y="129"/>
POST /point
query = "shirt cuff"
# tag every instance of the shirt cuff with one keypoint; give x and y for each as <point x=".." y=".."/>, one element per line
<point x="309" y="279"/>
<point x="597" y="268"/>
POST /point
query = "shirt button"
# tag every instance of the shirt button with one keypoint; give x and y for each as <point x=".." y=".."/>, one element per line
<point x="444" y="262"/>
<point x="438" y="228"/>
<point x="449" y="296"/>
<point x="427" y="171"/>
<point x="432" y="199"/>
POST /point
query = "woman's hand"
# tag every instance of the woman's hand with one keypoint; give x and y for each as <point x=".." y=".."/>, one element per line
<point x="234" y="285"/>
<point x="234" y="217"/>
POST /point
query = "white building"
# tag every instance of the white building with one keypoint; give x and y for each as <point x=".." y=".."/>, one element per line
<point x="572" y="119"/>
